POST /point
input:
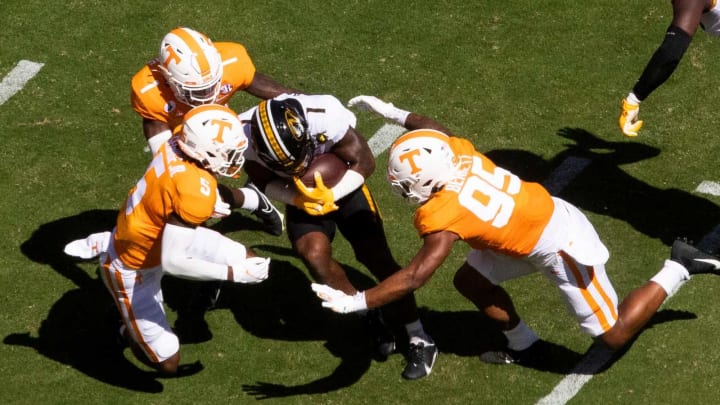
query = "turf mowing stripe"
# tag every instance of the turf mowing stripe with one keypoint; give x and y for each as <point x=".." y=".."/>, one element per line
<point x="384" y="137"/>
<point x="16" y="79"/>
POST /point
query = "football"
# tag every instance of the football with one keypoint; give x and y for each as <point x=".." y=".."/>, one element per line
<point x="330" y="166"/>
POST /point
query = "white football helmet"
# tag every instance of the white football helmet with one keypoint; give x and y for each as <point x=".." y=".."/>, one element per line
<point x="191" y="65"/>
<point x="421" y="162"/>
<point x="212" y="134"/>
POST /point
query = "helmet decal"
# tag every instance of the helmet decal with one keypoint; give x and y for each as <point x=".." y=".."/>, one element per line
<point x="294" y="125"/>
<point x="191" y="65"/>
<point x="279" y="131"/>
<point x="421" y="162"/>
<point x="212" y="135"/>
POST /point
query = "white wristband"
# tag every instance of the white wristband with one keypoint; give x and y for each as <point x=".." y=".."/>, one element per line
<point x="397" y="115"/>
<point x="350" y="182"/>
<point x="157" y="140"/>
<point x="359" y="303"/>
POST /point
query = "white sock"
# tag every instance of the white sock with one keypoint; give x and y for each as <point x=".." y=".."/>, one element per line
<point x="671" y="277"/>
<point x="632" y="99"/>
<point x="251" y="199"/>
<point x="520" y="337"/>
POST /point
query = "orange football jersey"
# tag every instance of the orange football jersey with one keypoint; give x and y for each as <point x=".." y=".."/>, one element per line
<point x="153" y="99"/>
<point x="170" y="185"/>
<point x="488" y="207"/>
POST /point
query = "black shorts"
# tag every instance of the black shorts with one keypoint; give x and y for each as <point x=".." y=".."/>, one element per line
<point x="357" y="218"/>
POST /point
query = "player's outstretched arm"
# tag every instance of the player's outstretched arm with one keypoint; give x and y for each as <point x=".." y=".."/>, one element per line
<point x="409" y="120"/>
<point x="203" y="254"/>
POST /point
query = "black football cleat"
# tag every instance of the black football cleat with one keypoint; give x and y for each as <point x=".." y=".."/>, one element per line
<point x="421" y="358"/>
<point x="536" y="354"/>
<point x="693" y="259"/>
<point x="272" y="219"/>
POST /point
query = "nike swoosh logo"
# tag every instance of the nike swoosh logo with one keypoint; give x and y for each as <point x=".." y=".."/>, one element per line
<point x="715" y="263"/>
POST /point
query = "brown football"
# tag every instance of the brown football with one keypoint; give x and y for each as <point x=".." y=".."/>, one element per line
<point x="330" y="166"/>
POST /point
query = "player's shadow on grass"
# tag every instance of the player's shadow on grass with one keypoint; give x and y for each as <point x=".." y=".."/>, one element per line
<point x="603" y="187"/>
<point x="285" y="308"/>
<point x="598" y="359"/>
<point x="73" y="332"/>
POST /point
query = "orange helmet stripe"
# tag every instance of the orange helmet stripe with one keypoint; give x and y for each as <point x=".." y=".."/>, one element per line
<point x="196" y="49"/>
<point x="205" y="107"/>
<point x="422" y="133"/>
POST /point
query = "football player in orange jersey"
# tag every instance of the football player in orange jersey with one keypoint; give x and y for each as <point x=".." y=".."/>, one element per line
<point x="159" y="230"/>
<point x="514" y="228"/>
<point x="192" y="70"/>
<point x="688" y="15"/>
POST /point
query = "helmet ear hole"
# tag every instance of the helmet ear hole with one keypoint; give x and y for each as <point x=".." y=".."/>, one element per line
<point x="280" y="136"/>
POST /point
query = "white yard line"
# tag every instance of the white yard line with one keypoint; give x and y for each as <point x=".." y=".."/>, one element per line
<point x="384" y="137"/>
<point x="16" y="79"/>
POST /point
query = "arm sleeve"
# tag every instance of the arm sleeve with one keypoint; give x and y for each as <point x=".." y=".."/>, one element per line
<point x="663" y="62"/>
<point x="199" y="253"/>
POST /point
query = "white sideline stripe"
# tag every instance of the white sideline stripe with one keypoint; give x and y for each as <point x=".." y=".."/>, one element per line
<point x="16" y="79"/>
<point x="709" y="187"/>
<point x="384" y="137"/>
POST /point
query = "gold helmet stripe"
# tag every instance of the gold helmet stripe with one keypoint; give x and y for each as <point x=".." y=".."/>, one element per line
<point x="270" y="136"/>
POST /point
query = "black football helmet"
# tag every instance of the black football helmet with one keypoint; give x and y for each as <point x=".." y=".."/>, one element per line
<point x="280" y="136"/>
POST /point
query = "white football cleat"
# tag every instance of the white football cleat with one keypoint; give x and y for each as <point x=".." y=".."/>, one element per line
<point x="92" y="246"/>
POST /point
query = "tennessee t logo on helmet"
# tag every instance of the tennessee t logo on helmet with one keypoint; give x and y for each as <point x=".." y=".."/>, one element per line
<point x="421" y="162"/>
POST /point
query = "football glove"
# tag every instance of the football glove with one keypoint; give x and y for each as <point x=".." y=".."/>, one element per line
<point x="379" y="107"/>
<point x="315" y="201"/>
<point x="629" y="123"/>
<point x="221" y="209"/>
<point x="338" y="301"/>
<point x="254" y="270"/>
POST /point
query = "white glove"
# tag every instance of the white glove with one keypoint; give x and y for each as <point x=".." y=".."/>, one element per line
<point x="338" y="301"/>
<point x="254" y="271"/>
<point x="221" y="209"/>
<point x="379" y="107"/>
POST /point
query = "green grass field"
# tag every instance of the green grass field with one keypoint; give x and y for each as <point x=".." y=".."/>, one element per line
<point x="531" y="83"/>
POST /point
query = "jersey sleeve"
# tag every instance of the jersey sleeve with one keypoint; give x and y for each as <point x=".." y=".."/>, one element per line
<point x="441" y="213"/>
<point x="238" y="67"/>
<point x="147" y="97"/>
<point x="327" y="115"/>
<point x="196" y="191"/>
